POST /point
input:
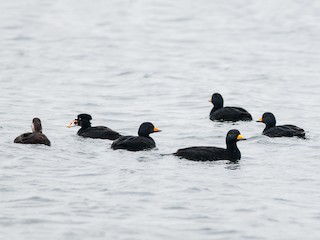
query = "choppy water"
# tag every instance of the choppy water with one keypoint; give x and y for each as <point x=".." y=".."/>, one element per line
<point x="129" y="61"/>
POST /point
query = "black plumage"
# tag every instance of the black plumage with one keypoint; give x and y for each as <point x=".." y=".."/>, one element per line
<point x="231" y="153"/>
<point x="271" y="130"/>
<point x="100" y="132"/>
<point x="137" y="143"/>
<point x="220" y="113"/>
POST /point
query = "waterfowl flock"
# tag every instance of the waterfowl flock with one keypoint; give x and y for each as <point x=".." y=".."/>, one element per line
<point x="144" y="142"/>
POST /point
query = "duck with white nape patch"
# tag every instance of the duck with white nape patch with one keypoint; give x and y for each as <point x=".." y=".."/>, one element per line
<point x="86" y="131"/>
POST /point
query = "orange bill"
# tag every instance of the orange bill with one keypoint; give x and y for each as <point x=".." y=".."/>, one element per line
<point x="72" y="124"/>
<point x="240" y="137"/>
<point x="156" y="130"/>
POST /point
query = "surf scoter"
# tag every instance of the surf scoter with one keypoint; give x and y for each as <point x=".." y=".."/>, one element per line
<point x="100" y="132"/>
<point x="34" y="137"/>
<point x="271" y="130"/>
<point x="137" y="143"/>
<point x="220" y="113"/>
<point x="231" y="153"/>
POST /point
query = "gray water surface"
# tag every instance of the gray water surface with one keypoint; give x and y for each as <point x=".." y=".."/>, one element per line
<point x="129" y="61"/>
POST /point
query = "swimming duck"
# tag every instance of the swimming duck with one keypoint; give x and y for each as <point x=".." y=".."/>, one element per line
<point x="231" y="153"/>
<point x="271" y="130"/>
<point x="34" y="137"/>
<point x="101" y="132"/>
<point x="220" y="113"/>
<point x="137" y="143"/>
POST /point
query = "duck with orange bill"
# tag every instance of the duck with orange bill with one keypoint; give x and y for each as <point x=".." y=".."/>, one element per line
<point x="231" y="153"/>
<point x="87" y="131"/>
<point x="137" y="143"/>
<point x="271" y="130"/>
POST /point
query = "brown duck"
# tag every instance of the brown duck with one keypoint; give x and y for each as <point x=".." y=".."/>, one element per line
<point x="34" y="137"/>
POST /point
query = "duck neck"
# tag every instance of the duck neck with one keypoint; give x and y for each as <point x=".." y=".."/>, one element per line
<point x="215" y="108"/>
<point x="269" y="125"/>
<point x="85" y="125"/>
<point x="234" y="151"/>
<point x="232" y="146"/>
<point x="36" y="127"/>
<point x="143" y="135"/>
<point x="212" y="111"/>
<point x="34" y="130"/>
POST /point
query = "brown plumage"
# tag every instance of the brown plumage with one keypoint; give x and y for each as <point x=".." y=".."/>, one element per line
<point x="34" y="137"/>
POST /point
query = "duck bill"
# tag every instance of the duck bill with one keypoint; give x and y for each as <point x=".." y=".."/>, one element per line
<point x="240" y="138"/>
<point x="72" y="124"/>
<point x="156" y="130"/>
<point x="260" y="120"/>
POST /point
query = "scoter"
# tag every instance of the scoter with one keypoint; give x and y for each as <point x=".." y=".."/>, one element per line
<point x="34" y="137"/>
<point x="137" y="143"/>
<point x="271" y="130"/>
<point x="220" y="113"/>
<point x="86" y="131"/>
<point x="231" y="153"/>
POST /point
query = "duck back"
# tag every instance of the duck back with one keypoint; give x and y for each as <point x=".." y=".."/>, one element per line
<point x="100" y="132"/>
<point x="133" y="143"/>
<point x="285" y="131"/>
<point x="33" y="138"/>
<point x="230" y="114"/>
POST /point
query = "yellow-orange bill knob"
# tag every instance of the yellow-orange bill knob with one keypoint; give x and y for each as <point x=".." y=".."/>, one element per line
<point x="71" y="124"/>
<point x="240" y="137"/>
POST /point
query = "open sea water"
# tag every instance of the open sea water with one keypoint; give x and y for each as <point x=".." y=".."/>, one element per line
<point x="129" y="61"/>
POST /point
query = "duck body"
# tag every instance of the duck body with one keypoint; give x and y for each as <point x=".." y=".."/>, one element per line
<point x="87" y="131"/>
<point x="34" y="137"/>
<point x="284" y="131"/>
<point x="208" y="154"/>
<point x="231" y="153"/>
<point x="271" y="130"/>
<point x="233" y="114"/>
<point x="100" y="132"/>
<point x="132" y="143"/>
<point x="137" y="143"/>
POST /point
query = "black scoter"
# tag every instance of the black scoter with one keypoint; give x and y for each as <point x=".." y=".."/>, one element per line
<point x="231" y="153"/>
<point x="271" y="130"/>
<point x="100" y="132"/>
<point x="137" y="143"/>
<point x="220" y="113"/>
<point x="34" y="137"/>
